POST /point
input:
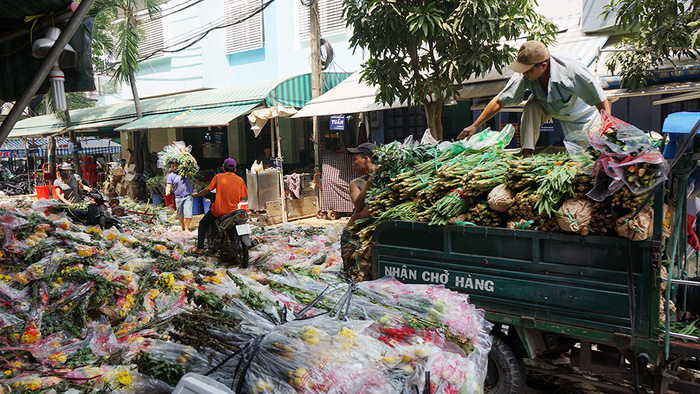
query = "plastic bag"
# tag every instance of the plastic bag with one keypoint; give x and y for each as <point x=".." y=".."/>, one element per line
<point x="606" y="181"/>
<point x="574" y="216"/>
<point x="256" y="167"/>
<point x="500" y="199"/>
<point x="618" y="138"/>
<point x="187" y="166"/>
<point x="428" y="138"/>
<point x="643" y="172"/>
<point x="490" y="138"/>
<point x="639" y="228"/>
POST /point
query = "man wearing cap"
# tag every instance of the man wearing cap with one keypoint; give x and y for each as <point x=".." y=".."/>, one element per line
<point x="69" y="187"/>
<point x="363" y="162"/>
<point x="230" y="189"/>
<point x="562" y="88"/>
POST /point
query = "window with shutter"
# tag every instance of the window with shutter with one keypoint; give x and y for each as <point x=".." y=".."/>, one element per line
<point x="246" y="30"/>
<point x="330" y="18"/>
<point x="152" y="35"/>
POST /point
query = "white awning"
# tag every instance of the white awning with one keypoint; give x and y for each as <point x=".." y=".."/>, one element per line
<point x="348" y="97"/>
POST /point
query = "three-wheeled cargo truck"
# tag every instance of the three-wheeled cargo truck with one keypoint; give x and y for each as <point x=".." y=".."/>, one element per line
<point x="595" y="299"/>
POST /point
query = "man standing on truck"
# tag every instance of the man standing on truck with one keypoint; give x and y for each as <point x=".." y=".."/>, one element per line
<point x="561" y="87"/>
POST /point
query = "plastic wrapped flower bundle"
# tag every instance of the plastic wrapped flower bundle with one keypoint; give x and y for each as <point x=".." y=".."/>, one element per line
<point x="187" y="165"/>
<point x="91" y="310"/>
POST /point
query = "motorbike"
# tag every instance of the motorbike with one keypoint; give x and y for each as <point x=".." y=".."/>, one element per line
<point x="15" y="185"/>
<point x="97" y="213"/>
<point x="229" y="237"/>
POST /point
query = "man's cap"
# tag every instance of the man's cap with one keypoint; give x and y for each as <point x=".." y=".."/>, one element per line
<point x="173" y="161"/>
<point x="366" y="149"/>
<point x="230" y="163"/>
<point x="530" y="53"/>
<point x="64" y="167"/>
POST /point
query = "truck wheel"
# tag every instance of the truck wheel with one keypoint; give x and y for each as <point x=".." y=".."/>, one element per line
<point x="506" y="372"/>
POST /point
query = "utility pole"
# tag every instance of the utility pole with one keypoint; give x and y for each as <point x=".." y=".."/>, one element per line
<point x="316" y="83"/>
<point x="74" y="142"/>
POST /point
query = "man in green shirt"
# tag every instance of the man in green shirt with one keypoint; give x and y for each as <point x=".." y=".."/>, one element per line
<point x="561" y="87"/>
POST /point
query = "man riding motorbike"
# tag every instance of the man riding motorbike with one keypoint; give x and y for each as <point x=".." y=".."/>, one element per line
<point x="69" y="186"/>
<point x="230" y="189"/>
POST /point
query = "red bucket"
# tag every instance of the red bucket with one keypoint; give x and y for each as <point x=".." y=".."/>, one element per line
<point x="43" y="192"/>
<point x="170" y="201"/>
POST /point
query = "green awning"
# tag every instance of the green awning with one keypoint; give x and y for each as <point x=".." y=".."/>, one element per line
<point x="107" y="124"/>
<point x="293" y="92"/>
<point x="41" y="131"/>
<point x="296" y="91"/>
<point x="190" y="118"/>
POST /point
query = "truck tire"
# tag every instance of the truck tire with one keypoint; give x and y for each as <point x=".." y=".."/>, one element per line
<point x="506" y="372"/>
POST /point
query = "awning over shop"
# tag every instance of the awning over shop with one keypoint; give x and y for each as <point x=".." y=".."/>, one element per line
<point x="14" y="146"/>
<point x="35" y="131"/>
<point x="295" y="91"/>
<point x="190" y="118"/>
<point x="350" y="96"/>
<point x="37" y="126"/>
<point x="107" y="124"/>
<point x="88" y="147"/>
<point x="17" y="147"/>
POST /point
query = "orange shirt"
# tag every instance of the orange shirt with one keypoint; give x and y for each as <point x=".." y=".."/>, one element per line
<point x="230" y="188"/>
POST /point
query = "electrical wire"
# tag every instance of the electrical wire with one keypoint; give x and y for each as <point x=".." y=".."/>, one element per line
<point x="161" y="15"/>
<point x="205" y="33"/>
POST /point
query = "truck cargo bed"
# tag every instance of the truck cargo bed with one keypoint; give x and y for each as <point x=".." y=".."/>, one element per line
<point x="563" y="283"/>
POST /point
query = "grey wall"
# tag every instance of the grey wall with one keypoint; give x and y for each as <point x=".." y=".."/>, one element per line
<point x="639" y="112"/>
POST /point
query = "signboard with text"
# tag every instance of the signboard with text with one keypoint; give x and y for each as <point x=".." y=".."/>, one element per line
<point x="337" y="122"/>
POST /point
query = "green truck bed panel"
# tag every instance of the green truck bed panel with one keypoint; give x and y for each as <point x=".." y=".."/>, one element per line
<point x="550" y="278"/>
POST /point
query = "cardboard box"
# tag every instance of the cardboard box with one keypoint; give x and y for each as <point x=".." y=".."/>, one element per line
<point x="118" y="171"/>
<point x="126" y="155"/>
<point x="130" y="176"/>
<point x="131" y="168"/>
<point x="136" y="192"/>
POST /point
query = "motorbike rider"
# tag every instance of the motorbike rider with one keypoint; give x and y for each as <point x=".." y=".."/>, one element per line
<point x="182" y="189"/>
<point x="230" y="189"/>
<point x="69" y="186"/>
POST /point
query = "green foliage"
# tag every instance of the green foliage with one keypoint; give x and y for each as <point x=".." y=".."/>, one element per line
<point x="166" y="371"/>
<point x="418" y="50"/>
<point x="120" y="34"/>
<point x="664" y="31"/>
